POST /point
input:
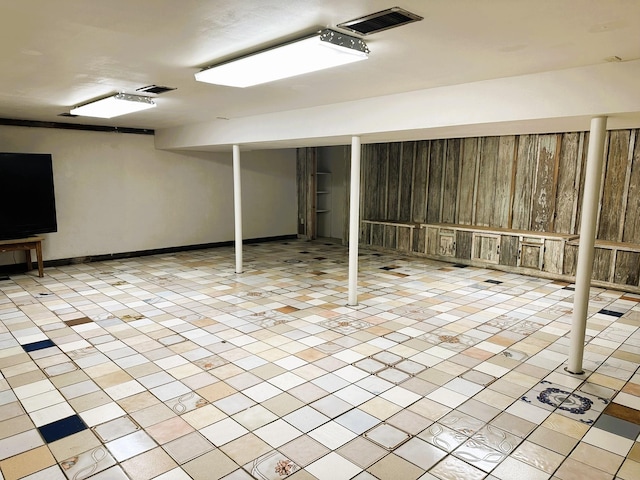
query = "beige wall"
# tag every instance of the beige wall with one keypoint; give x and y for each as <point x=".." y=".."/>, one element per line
<point x="116" y="193"/>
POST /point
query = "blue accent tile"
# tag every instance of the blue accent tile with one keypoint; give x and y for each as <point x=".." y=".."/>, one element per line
<point x="31" y="347"/>
<point x="611" y="312"/>
<point x="62" y="428"/>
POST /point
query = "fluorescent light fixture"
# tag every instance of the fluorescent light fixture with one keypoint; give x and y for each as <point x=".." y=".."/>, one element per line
<point x="113" y="106"/>
<point x="324" y="49"/>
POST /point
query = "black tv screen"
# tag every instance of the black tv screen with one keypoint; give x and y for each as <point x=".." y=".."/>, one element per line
<point x="27" y="198"/>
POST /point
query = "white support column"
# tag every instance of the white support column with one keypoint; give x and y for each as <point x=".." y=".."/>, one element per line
<point x="237" y="206"/>
<point x="354" y="221"/>
<point x="592" y="180"/>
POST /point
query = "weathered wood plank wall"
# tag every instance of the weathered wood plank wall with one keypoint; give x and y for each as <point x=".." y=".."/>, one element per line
<point x="522" y="182"/>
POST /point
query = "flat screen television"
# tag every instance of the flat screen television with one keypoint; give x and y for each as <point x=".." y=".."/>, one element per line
<point x="27" y="198"/>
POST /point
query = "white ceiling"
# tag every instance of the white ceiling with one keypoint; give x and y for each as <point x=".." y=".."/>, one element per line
<point x="55" y="54"/>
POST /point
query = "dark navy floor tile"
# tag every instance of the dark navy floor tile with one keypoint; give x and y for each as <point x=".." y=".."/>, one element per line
<point x="31" y="347"/>
<point x="611" y="312"/>
<point x="62" y="428"/>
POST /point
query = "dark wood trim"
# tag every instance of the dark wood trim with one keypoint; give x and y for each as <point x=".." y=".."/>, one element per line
<point x="74" y="126"/>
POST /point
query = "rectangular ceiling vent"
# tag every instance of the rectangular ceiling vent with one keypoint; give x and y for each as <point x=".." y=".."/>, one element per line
<point x="157" y="89"/>
<point x="67" y="114"/>
<point x="377" y="22"/>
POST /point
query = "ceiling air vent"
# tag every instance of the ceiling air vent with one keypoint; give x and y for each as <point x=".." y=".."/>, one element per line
<point x="377" y="22"/>
<point x="67" y="114"/>
<point x="157" y="89"/>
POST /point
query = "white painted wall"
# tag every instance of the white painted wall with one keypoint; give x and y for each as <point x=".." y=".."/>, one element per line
<point x="116" y="193"/>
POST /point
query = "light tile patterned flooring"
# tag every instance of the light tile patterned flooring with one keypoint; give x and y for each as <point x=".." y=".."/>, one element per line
<point x="173" y="367"/>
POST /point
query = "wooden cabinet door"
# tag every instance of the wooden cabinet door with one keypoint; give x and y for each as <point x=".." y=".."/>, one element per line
<point x="531" y="253"/>
<point x="447" y="242"/>
<point x="486" y="247"/>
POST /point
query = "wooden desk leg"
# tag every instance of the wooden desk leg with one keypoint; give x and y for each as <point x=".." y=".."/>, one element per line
<point x="27" y="253"/>
<point x="39" y="256"/>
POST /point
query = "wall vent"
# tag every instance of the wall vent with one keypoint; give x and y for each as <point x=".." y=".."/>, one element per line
<point x="157" y="89"/>
<point x="377" y="22"/>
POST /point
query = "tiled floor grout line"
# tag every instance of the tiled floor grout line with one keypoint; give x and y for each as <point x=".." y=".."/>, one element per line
<point x="122" y="323"/>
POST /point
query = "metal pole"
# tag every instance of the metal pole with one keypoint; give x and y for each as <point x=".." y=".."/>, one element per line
<point x="588" y="218"/>
<point x="237" y="206"/>
<point x="354" y="221"/>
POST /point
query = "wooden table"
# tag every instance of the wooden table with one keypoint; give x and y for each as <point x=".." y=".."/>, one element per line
<point x="26" y="244"/>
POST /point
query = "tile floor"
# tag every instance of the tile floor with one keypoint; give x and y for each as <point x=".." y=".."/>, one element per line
<point x="173" y="367"/>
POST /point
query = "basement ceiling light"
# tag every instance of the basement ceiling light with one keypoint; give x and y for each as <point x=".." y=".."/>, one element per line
<point x="324" y="49"/>
<point x="379" y="21"/>
<point x="113" y="106"/>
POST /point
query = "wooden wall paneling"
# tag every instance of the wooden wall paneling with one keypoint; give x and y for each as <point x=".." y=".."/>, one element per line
<point x="306" y="189"/>
<point x="450" y="181"/>
<point x="602" y="264"/>
<point x="391" y="237"/>
<point x="434" y="185"/>
<point x="566" y="191"/>
<point x="543" y="205"/>
<point x="365" y="182"/>
<point x="485" y="195"/>
<point x="615" y="172"/>
<point x="602" y="180"/>
<point x="583" y="159"/>
<point x="524" y="175"/>
<point x="365" y="233"/>
<point x="466" y="185"/>
<point x="376" y="189"/>
<point x="553" y="256"/>
<point x="578" y="185"/>
<point x="627" y="268"/>
<point x="632" y="217"/>
<point x="382" y="154"/>
<point x="393" y="181"/>
<point x="377" y="235"/>
<point x="464" y="244"/>
<point x="301" y="187"/>
<point x="404" y="239"/>
<point x="475" y="182"/>
<point x="420" y="179"/>
<point x="406" y="181"/>
<point x="509" y="246"/>
<point x="570" y="259"/>
<point x="432" y="240"/>
<point x="627" y="183"/>
<point x="502" y="185"/>
<point x="419" y="240"/>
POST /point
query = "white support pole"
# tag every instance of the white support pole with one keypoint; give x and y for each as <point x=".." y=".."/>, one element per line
<point x="592" y="180"/>
<point x="354" y="221"/>
<point x="237" y="206"/>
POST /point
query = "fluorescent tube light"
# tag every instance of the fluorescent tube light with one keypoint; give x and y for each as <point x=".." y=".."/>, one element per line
<point x="119" y="104"/>
<point x="325" y="49"/>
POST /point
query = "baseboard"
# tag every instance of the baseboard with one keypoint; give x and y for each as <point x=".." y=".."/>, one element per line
<point x="20" y="267"/>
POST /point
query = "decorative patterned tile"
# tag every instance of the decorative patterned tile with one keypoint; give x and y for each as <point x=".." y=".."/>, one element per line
<point x="87" y="463"/>
<point x="272" y="466"/>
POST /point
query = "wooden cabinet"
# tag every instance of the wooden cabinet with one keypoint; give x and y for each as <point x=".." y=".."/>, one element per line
<point x="615" y="263"/>
<point x="522" y="250"/>
<point x="388" y="234"/>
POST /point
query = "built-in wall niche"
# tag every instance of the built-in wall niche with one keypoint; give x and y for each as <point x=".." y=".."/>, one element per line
<point x="323" y="204"/>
